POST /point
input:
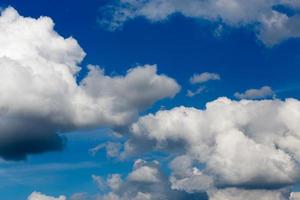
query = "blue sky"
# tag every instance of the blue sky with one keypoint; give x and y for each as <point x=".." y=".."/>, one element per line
<point x="180" y="46"/>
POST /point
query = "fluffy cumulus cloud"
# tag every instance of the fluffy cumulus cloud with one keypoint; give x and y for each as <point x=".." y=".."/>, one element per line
<point x="40" y="196"/>
<point x="261" y="93"/>
<point x="272" y="25"/>
<point x="40" y="96"/>
<point x="243" y="144"/>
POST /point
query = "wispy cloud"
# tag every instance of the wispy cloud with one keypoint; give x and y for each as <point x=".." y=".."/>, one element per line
<point x="46" y="167"/>
<point x="204" y="77"/>
<point x="270" y="24"/>
<point x="200" y="80"/>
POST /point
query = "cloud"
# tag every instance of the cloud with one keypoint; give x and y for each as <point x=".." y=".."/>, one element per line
<point x="40" y="97"/>
<point x="295" y="196"/>
<point x="112" y="149"/>
<point x="99" y="182"/>
<point x="261" y="93"/>
<point x="240" y="194"/>
<point x="186" y="182"/>
<point x="145" y="182"/>
<point x="199" y="90"/>
<point x="81" y="196"/>
<point x="204" y="77"/>
<point x="244" y="144"/>
<point x="40" y="196"/>
<point x="201" y="79"/>
<point x="270" y="25"/>
<point x="85" y="196"/>
<point x="186" y="177"/>
<point x="277" y="27"/>
<point x="144" y="173"/>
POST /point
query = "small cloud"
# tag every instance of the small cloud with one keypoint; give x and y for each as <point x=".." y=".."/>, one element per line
<point x="201" y="79"/>
<point x="261" y="93"/>
<point x="204" y="77"/>
<point x="218" y="31"/>
<point x="40" y="196"/>
<point x="93" y="151"/>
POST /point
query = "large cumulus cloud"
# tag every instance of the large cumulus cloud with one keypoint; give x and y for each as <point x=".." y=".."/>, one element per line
<point x="39" y="94"/>
<point x="244" y="144"/>
<point x="272" y="25"/>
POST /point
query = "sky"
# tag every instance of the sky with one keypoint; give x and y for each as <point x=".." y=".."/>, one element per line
<point x="149" y="100"/>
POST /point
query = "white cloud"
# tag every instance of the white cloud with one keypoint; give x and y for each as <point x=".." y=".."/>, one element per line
<point x="39" y="95"/>
<point x="204" y="77"/>
<point x="261" y="93"/>
<point x="239" y="143"/>
<point x="144" y="173"/>
<point x="273" y="26"/>
<point x="145" y="182"/>
<point x="241" y="194"/>
<point x="277" y="27"/>
<point x="40" y="196"/>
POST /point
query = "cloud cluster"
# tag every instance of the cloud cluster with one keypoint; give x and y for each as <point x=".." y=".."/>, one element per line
<point x="243" y="144"/>
<point x="145" y="182"/>
<point x="40" y="196"/>
<point x="41" y="98"/>
<point x="272" y="25"/>
<point x="240" y="194"/>
<point x="261" y="93"/>
<point x="216" y="194"/>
